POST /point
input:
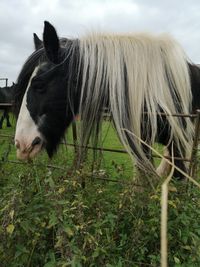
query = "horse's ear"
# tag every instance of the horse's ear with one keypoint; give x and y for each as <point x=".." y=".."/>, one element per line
<point x="51" y="43"/>
<point x="37" y="42"/>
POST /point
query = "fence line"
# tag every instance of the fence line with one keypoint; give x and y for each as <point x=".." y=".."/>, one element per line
<point x="4" y="79"/>
<point x="105" y="149"/>
<point x="192" y="160"/>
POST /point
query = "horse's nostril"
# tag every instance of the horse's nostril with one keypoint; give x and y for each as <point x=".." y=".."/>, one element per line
<point x="17" y="144"/>
<point x="36" y="141"/>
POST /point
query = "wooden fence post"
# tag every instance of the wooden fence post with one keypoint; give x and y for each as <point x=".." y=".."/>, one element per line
<point x="193" y="159"/>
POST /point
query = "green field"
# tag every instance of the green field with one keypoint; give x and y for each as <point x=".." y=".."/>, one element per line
<point x="48" y="219"/>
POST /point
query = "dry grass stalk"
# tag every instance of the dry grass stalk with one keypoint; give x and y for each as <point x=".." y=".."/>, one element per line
<point x="164" y="217"/>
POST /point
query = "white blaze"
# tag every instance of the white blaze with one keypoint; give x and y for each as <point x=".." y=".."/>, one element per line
<point x="26" y="130"/>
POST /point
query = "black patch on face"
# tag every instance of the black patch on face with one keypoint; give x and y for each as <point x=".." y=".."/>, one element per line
<point x="24" y="77"/>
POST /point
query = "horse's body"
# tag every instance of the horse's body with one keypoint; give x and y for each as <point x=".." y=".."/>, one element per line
<point x="6" y="97"/>
<point x="134" y="76"/>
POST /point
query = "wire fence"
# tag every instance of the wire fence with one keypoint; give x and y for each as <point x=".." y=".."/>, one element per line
<point x="192" y="160"/>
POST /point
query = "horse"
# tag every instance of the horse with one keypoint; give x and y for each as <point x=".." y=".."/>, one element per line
<point x="6" y="96"/>
<point x="138" y="77"/>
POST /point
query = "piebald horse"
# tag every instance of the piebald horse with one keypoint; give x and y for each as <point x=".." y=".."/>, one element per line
<point x="138" y="77"/>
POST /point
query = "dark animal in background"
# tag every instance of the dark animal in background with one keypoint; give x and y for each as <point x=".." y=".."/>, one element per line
<point x="6" y="97"/>
<point x="134" y="76"/>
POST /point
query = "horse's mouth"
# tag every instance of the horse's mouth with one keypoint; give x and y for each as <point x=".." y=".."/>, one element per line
<point x="31" y="150"/>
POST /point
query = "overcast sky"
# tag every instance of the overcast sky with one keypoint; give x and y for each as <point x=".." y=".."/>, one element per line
<point x="19" y="19"/>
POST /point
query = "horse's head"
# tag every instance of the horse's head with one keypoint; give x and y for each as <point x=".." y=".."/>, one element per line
<point x="48" y="105"/>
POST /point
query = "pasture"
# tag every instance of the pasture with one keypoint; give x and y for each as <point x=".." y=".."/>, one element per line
<point x="48" y="219"/>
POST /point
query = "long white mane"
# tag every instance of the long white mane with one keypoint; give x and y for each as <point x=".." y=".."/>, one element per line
<point x="135" y="73"/>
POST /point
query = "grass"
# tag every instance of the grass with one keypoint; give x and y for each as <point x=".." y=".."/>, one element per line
<point x="47" y="219"/>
